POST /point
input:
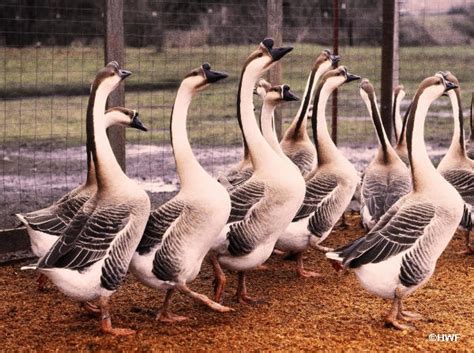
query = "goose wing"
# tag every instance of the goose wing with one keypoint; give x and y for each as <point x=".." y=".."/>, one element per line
<point x="243" y="198"/>
<point x="55" y="219"/>
<point x="235" y="179"/>
<point x="397" y="231"/>
<point x="158" y="223"/>
<point x="243" y="234"/>
<point x="303" y="160"/>
<point x="463" y="182"/>
<point x="319" y="189"/>
<point x="88" y="237"/>
<point x="379" y="194"/>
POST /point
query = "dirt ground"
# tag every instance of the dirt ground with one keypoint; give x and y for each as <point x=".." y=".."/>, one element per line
<point x="328" y="313"/>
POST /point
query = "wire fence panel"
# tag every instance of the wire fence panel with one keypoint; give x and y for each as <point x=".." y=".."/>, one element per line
<point x="51" y="50"/>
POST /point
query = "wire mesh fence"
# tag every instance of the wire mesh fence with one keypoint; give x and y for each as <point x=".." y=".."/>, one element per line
<point x="51" y="51"/>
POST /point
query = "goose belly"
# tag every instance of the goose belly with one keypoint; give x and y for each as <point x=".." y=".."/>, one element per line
<point x="295" y="237"/>
<point x="79" y="285"/>
<point x="40" y="242"/>
<point x="142" y="265"/>
<point x="382" y="278"/>
<point x="248" y="262"/>
<point x="178" y="259"/>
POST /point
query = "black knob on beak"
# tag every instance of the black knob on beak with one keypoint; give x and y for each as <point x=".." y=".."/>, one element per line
<point x="213" y="76"/>
<point x="288" y="95"/>
<point x="124" y="74"/>
<point x="278" y="53"/>
<point x="448" y="85"/>
<point x="137" y="124"/>
<point x="351" y="77"/>
<point x="334" y="59"/>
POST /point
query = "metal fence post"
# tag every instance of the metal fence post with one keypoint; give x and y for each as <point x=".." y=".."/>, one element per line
<point x="114" y="50"/>
<point x="387" y="64"/>
<point x="274" y="30"/>
<point x="335" y="48"/>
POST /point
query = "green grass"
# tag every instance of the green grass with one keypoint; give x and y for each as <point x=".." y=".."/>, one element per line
<point x="38" y="83"/>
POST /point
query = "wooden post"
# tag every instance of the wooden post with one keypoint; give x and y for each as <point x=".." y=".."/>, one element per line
<point x="335" y="49"/>
<point x="387" y="64"/>
<point x="114" y="50"/>
<point x="396" y="44"/>
<point x="274" y="30"/>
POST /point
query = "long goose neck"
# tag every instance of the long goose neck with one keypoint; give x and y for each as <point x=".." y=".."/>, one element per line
<point x="422" y="170"/>
<point x="325" y="147"/>
<point x="299" y="123"/>
<point x="187" y="166"/>
<point x="267" y="124"/>
<point x="457" y="143"/>
<point x="471" y="123"/>
<point x="90" y="179"/>
<point x="108" y="171"/>
<point x="385" y="150"/>
<point x="259" y="149"/>
<point x="402" y="140"/>
<point x="396" y="118"/>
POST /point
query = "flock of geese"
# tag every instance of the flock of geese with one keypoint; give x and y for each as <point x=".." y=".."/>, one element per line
<point x="282" y="196"/>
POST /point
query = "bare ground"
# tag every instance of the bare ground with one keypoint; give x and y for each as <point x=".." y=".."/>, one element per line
<point x="329" y="313"/>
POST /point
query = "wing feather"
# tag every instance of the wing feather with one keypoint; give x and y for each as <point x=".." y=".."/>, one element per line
<point x="319" y="188"/>
<point x="158" y="223"/>
<point x="397" y="231"/>
<point x="88" y="237"/>
<point x="243" y="198"/>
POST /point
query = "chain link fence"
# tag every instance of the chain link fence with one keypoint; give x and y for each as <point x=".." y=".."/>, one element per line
<point x="51" y="50"/>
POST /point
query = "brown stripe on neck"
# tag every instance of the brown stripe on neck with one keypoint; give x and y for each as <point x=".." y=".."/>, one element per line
<point x="461" y="120"/>
<point x="404" y="125"/>
<point x="470" y="119"/>
<point x="394" y="111"/>
<point x="105" y="72"/>
<point x="239" y="92"/>
<point x="314" y="120"/>
<point x="410" y="122"/>
<point x="90" y="144"/>
<point x="378" y="125"/>
<point x="305" y="104"/>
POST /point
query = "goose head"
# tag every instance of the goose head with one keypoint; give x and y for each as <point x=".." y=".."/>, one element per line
<point x="201" y="77"/>
<point x="366" y="90"/>
<point x="123" y="117"/>
<point x="431" y="88"/>
<point x="261" y="88"/>
<point x="337" y="77"/>
<point x="279" y="94"/>
<point x="264" y="57"/>
<point x="448" y="76"/>
<point x="109" y="77"/>
<point x="325" y="61"/>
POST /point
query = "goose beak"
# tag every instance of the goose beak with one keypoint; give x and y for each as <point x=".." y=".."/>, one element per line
<point x="334" y="59"/>
<point x="351" y="77"/>
<point x="124" y="74"/>
<point x="449" y="86"/>
<point x="214" y="76"/>
<point x="278" y="53"/>
<point x="137" y="124"/>
<point x="290" y="96"/>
